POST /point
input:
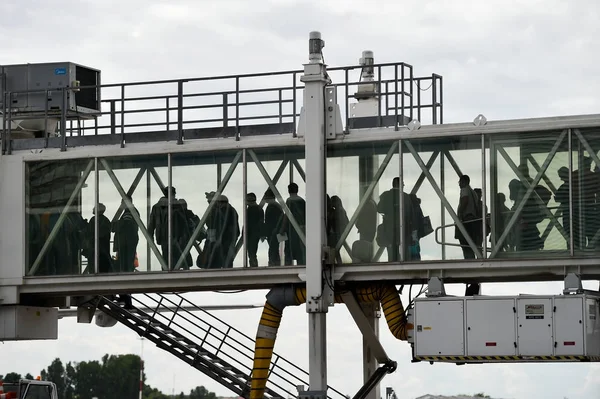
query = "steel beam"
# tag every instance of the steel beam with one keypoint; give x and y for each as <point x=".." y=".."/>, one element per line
<point x="365" y="327"/>
<point x="550" y="268"/>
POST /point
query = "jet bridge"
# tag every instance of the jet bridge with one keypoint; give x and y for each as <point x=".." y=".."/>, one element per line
<point x="218" y="139"/>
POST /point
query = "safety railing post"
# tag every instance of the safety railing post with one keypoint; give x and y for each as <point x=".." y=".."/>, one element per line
<point x="63" y="122"/>
<point x="113" y="117"/>
<point x="122" y="116"/>
<point x="168" y="112"/>
<point x="175" y="312"/>
<point x="180" y="112"/>
<point x="237" y="108"/>
<point x="396" y="97"/>
<point x="295" y="109"/>
<point x="225" y="111"/>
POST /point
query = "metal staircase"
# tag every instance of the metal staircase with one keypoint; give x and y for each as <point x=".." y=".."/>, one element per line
<point x="205" y="342"/>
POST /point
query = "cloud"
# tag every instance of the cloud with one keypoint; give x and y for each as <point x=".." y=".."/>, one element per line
<point x="503" y="59"/>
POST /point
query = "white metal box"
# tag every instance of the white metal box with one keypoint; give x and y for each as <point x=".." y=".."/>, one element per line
<point x="490" y="336"/>
<point x="439" y="328"/>
<point x="510" y="328"/>
<point x="28" y="323"/>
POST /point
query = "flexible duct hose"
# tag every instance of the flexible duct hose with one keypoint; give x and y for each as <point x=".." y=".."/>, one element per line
<point x="280" y="297"/>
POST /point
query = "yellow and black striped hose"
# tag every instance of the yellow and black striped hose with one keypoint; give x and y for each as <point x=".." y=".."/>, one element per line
<point x="280" y="297"/>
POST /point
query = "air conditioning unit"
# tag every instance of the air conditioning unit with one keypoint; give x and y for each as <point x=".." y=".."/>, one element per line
<point x="30" y="90"/>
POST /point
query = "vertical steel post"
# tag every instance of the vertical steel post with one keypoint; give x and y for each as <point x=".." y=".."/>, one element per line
<point x="96" y="222"/>
<point x="442" y="209"/>
<point x="148" y="211"/>
<point x="315" y="80"/>
<point x="401" y="201"/>
<point x="483" y="197"/>
<point x="571" y="240"/>
<point x="170" y="211"/>
<point x="245" y="210"/>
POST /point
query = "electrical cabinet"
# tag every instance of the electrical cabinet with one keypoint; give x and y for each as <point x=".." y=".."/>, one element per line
<point x="440" y="327"/>
<point x="485" y="338"/>
<point x="42" y="83"/>
<point x="28" y="323"/>
<point x="519" y="328"/>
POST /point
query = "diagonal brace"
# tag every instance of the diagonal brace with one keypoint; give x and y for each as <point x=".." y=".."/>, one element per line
<point x="285" y="208"/>
<point x="220" y="188"/>
<point x="530" y="187"/>
<point x="135" y="215"/>
<point x="442" y="197"/>
<point x="368" y="194"/>
<point x="61" y="218"/>
<point x="363" y="324"/>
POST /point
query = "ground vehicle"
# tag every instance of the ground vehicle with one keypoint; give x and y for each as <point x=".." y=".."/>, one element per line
<point x="30" y="389"/>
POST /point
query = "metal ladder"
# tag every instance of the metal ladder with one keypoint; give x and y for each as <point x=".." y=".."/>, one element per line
<point x="205" y="342"/>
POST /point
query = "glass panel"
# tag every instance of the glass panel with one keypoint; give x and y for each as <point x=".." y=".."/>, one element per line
<point x="586" y="192"/>
<point x="535" y="220"/>
<point x="446" y="159"/>
<point x="207" y="210"/>
<point x="357" y="174"/>
<point x="273" y="175"/>
<point x="57" y="193"/>
<point x="128" y="241"/>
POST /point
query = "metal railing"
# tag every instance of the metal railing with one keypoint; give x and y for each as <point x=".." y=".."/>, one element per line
<point x="224" y="341"/>
<point x="220" y="106"/>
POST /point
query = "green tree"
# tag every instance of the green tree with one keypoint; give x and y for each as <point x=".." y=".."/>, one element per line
<point x="481" y="395"/>
<point x="28" y="376"/>
<point x="56" y="374"/>
<point x="12" y="377"/>
<point x="202" y="393"/>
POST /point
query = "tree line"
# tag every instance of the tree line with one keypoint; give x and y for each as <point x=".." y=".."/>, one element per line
<point x="114" y="376"/>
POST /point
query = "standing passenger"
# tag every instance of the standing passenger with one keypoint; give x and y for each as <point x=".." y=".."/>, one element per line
<point x="126" y="239"/>
<point x="273" y="225"/>
<point x="294" y="247"/>
<point x="255" y="218"/>
<point x="467" y="214"/>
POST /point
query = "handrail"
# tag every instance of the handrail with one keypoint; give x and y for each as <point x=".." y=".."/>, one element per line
<point x="175" y="103"/>
<point x="226" y="340"/>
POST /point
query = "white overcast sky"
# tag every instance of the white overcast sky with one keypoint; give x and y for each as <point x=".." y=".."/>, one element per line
<point x="506" y="59"/>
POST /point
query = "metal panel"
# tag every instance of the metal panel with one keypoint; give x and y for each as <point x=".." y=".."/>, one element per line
<point x="592" y="326"/>
<point x="28" y="323"/>
<point x="568" y="325"/>
<point x="439" y="328"/>
<point x="534" y="328"/>
<point x="491" y="327"/>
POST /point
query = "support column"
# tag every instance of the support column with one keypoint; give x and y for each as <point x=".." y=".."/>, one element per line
<point x="370" y="363"/>
<point x="318" y="298"/>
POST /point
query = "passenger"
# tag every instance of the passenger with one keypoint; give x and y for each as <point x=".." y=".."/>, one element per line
<point x="501" y="218"/>
<point x="104" y="231"/>
<point x="126" y="239"/>
<point x="228" y="230"/>
<point x="366" y="223"/>
<point x="272" y="226"/>
<point x="480" y="208"/>
<point x="294" y="247"/>
<point x="525" y="232"/>
<point x="340" y="221"/>
<point x="468" y="215"/>
<point x="255" y="219"/>
<point x="184" y="224"/>
<point x="159" y="223"/>
<point x="388" y="232"/>
<point x="561" y="196"/>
